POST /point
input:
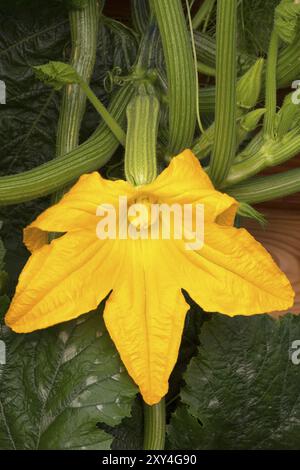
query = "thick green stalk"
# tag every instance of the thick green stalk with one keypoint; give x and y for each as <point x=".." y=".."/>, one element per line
<point x="180" y="71"/>
<point x="271" y="153"/>
<point x="225" y="112"/>
<point x="195" y="65"/>
<point x="271" y="88"/>
<point x="247" y="94"/>
<point x="204" y="11"/>
<point x="53" y="175"/>
<point x="84" y="30"/>
<point x="267" y="188"/>
<point x="155" y="426"/>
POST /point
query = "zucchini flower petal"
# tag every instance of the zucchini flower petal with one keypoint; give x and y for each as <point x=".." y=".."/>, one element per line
<point x="145" y="311"/>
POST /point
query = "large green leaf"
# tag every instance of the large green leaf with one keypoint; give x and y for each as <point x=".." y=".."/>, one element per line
<point x="242" y="389"/>
<point x="255" y="24"/>
<point x="28" y="120"/>
<point x="59" y="383"/>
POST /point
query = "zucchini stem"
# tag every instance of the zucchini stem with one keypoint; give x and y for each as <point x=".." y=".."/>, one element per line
<point x="180" y="73"/>
<point x="155" y="426"/>
<point x="224" y="147"/>
<point x="84" y="31"/>
<point x="267" y="188"/>
<point x="104" y="113"/>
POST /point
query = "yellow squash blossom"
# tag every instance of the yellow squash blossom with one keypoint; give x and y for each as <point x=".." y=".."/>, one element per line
<point x="145" y="312"/>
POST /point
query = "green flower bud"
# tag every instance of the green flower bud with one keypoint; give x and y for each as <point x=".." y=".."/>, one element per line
<point x="249" y="86"/>
<point x="245" y="210"/>
<point x="288" y="117"/>
<point x="248" y="123"/>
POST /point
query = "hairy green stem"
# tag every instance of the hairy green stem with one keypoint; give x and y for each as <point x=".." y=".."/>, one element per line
<point x="247" y="94"/>
<point x="180" y="72"/>
<point x="104" y="113"/>
<point x="195" y="66"/>
<point x="271" y="153"/>
<point x="84" y="30"/>
<point x="267" y="188"/>
<point x="155" y="426"/>
<point x="225" y="112"/>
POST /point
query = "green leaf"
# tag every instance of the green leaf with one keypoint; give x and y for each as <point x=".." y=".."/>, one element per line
<point x="28" y="120"/>
<point x="184" y="431"/>
<point x="129" y="434"/>
<point x="59" y="383"/>
<point x="287" y="15"/>
<point x="242" y="389"/>
<point x="56" y="74"/>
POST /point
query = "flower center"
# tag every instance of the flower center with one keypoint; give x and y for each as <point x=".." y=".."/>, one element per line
<point x="140" y="213"/>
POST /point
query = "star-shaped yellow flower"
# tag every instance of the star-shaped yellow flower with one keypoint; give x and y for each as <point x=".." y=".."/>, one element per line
<point x="144" y="314"/>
